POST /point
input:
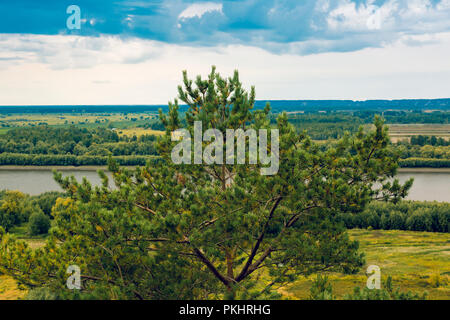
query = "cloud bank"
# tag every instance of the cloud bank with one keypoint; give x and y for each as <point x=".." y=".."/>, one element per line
<point x="298" y="27"/>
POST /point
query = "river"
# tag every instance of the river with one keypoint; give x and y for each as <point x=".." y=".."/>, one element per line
<point x="427" y="185"/>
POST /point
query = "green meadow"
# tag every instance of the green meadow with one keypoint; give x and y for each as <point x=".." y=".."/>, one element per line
<point x="416" y="261"/>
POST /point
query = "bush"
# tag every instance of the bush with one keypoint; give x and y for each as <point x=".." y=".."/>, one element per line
<point x="397" y="220"/>
<point x="321" y="289"/>
<point x="47" y="200"/>
<point x="388" y="292"/>
<point x="15" y="209"/>
<point x="39" y="223"/>
<point x="420" y="220"/>
<point x="41" y="294"/>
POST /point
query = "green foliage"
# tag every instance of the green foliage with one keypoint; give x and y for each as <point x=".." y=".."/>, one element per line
<point x="424" y="151"/>
<point x="424" y="163"/>
<point x="39" y="223"/>
<point x="41" y="294"/>
<point x="44" y="145"/>
<point x="321" y="289"/>
<point x="71" y="160"/>
<point x="387" y="292"/>
<point x="167" y="231"/>
<point x="15" y="208"/>
<point x="325" y="126"/>
<point x="47" y="200"/>
<point x="406" y="215"/>
<point x="405" y="117"/>
<point x="421" y="140"/>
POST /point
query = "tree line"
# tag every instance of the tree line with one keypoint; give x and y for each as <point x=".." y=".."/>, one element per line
<point x="405" y="215"/>
<point x="75" y="141"/>
<point x="44" y="145"/>
<point x="20" y="159"/>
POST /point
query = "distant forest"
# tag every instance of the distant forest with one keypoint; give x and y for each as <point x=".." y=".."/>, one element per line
<point x="277" y="106"/>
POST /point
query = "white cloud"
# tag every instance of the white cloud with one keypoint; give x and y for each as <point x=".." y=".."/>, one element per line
<point x="199" y="9"/>
<point x="419" y="7"/>
<point x="98" y="70"/>
<point x="72" y="52"/>
<point x="395" y="16"/>
<point x="347" y="16"/>
<point x="443" y="5"/>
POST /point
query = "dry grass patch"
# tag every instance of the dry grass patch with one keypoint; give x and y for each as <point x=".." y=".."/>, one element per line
<point x="138" y="132"/>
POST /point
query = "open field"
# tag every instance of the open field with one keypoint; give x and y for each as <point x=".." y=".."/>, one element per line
<point x="79" y="119"/>
<point x="399" y="132"/>
<point x="139" y="132"/>
<point x="417" y="261"/>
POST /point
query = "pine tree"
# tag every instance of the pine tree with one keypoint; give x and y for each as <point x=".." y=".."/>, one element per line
<point x="212" y="231"/>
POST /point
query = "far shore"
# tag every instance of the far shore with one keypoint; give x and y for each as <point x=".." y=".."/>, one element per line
<point x="58" y="168"/>
<point x="105" y="168"/>
<point x="424" y="170"/>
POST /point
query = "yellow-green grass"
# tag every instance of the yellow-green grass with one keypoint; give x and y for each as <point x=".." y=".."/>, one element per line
<point x="138" y="132"/>
<point x="25" y="120"/>
<point x="417" y="261"/>
<point x="9" y="289"/>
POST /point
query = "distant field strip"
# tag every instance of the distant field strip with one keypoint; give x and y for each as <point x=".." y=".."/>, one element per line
<point x="406" y="131"/>
<point x="79" y="119"/>
<point x="139" y="132"/>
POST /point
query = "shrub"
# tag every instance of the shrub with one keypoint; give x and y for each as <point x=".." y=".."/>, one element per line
<point x="47" y="200"/>
<point x="420" y="220"/>
<point x="41" y="294"/>
<point x="15" y="208"/>
<point x="321" y="289"/>
<point x="388" y="292"/>
<point x="39" y="223"/>
<point x="397" y="220"/>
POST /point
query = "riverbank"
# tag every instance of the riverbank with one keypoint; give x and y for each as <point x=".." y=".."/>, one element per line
<point x="58" y="168"/>
<point x="424" y="170"/>
<point x="95" y="168"/>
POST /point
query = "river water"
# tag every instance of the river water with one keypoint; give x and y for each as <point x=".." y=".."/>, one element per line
<point x="427" y="186"/>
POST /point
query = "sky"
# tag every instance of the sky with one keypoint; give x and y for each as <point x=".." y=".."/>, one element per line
<point x="133" y="51"/>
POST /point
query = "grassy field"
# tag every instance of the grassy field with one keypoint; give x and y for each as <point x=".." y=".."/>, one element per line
<point x="417" y="261"/>
<point x="9" y="289"/>
<point x="138" y="132"/>
<point x="118" y="120"/>
<point x="406" y="131"/>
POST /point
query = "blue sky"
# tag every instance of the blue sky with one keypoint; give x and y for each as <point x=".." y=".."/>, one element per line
<point x="291" y="49"/>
